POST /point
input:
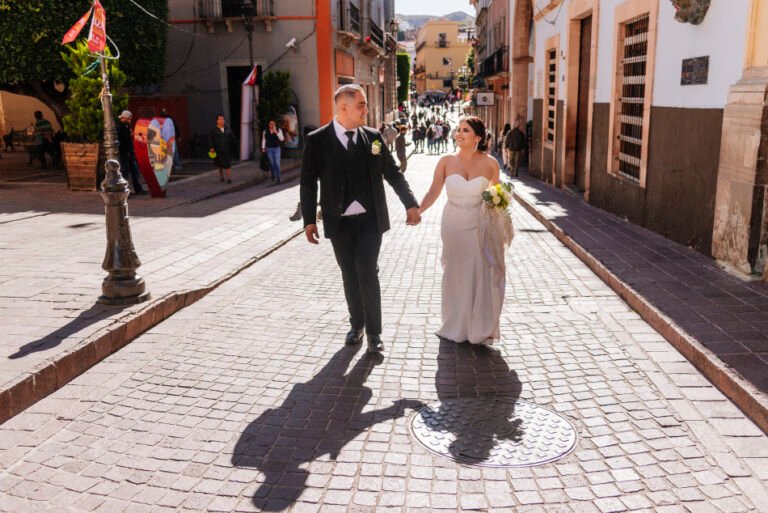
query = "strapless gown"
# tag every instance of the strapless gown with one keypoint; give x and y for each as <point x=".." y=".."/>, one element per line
<point x="472" y="289"/>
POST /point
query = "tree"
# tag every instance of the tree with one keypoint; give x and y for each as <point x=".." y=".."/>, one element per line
<point x="274" y="96"/>
<point x="31" y="33"/>
<point x="403" y="75"/>
<point x="85" y="118"/>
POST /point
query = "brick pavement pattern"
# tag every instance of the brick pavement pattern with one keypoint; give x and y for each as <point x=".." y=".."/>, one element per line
<point x="52" y="244"/>
<point x="724" y="317"/>
<point x="249" y="401"/>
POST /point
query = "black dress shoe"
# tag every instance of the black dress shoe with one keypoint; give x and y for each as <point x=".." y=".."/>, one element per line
<point x="375" y="345"/>
<point x="354" y="337"/>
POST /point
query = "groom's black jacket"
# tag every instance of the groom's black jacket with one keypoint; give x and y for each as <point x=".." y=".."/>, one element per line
<point x="323" y="160"/>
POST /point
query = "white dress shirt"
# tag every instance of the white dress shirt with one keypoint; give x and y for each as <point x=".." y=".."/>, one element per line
<point x="355" y="207"/>
<point x="341" y="135"/>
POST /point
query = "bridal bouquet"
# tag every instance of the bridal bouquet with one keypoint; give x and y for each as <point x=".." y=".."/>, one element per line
<point x="498" y="197"/>
<point x="496" y="230"/>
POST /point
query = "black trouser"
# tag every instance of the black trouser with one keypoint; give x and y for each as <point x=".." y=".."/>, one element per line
<point x="130" y="170"/>
<point x="356" y="246"/>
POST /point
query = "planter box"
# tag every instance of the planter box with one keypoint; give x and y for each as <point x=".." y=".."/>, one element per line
<point x="81" y="161"/>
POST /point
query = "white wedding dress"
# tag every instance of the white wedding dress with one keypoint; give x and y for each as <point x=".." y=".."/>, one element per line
<point x="473" y="265"/>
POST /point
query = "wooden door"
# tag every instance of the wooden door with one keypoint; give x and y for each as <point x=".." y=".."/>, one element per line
<point x="585" y="56"/>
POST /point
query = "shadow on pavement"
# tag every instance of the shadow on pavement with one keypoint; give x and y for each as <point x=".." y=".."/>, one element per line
<point x="97" y="312"/>
<point x="467" y="370"/>
<point x="317" y="419"/>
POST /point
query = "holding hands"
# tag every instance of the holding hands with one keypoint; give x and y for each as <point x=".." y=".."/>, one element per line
<point x="413" y="216"/>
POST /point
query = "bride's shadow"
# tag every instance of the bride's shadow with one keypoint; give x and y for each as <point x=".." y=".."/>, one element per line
<point x="317" y="419"/>
<point x="464" y="371"/>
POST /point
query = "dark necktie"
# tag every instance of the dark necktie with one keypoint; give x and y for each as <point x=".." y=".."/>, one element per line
<point x="350" y="142"/>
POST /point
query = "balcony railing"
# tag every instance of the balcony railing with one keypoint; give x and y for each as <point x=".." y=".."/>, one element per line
<point x="222" y="9"/>
<point x="496" y="63"/>
<point x="349" y="20"/>
<point x="377" y="35"/>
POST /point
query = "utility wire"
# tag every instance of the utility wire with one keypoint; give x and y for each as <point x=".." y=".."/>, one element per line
<point x="543" y="16"/>
<point x="174" y="27"/>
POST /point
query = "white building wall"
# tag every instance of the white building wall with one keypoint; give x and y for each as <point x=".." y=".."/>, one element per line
<point x="721" y="36"/>
<point x="552" y="24"/>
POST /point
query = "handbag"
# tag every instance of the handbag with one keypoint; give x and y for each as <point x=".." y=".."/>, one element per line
<point x="264" y="163"/>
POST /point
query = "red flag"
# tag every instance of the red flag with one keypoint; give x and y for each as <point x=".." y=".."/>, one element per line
<point x="73" y="32"/>
<point x="97" y="38"/>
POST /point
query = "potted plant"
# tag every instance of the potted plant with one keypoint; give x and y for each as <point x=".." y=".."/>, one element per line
<point x="84" y="122"/>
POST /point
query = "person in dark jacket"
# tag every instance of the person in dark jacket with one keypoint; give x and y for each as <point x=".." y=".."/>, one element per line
<point x="128" y="165"/>
<point x="515" y="143"/>
<point x="221" y="139"/>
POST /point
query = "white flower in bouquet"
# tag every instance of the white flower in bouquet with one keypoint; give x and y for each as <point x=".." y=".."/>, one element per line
<point x="496" y="199"/>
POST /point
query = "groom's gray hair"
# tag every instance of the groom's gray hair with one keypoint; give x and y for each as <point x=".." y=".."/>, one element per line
<point x="348" y="90"/>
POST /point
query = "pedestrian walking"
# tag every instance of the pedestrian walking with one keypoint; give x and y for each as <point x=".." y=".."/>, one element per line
<point x="128" y="165"/>
<point x="43" y="131"/>
<point x="345" y="152"/>
<point x="515" y="144"/>
<point x="400" y="144"/>
<point x="503" y="140"/>
<point x="271" y="139"/>
<point x="220" y="140"/>
<point x="438" y="138"/>
<point x="389" y="134"/>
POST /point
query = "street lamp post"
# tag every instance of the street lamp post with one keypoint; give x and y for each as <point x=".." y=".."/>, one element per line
<point x="122" y="286"/>
<point x="248" y="10"/>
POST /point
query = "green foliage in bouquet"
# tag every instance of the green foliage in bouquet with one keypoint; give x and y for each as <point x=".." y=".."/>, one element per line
<point x="498" y="196"/>
<point x="85" y="119"/>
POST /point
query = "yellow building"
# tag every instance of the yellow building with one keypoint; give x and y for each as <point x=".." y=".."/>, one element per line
<point x="440" y="54"/>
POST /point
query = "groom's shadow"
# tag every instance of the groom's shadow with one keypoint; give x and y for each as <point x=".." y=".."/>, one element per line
<point x="318" y="418"/>
<point x="465" y="371"/>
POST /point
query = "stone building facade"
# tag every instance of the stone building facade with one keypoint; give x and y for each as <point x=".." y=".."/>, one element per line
<point x="441" y="50"/>
<point x="332" y="42"/>
<point x="655" y="113"/>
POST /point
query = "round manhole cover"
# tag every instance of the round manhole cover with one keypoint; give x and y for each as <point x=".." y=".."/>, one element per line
<point x="494" y="432"/>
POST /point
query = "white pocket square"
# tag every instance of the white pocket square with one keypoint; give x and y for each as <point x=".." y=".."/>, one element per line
<point x="354" y="209"/>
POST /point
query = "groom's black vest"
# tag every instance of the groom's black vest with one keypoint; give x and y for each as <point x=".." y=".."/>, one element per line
<point x="357" y="179"/>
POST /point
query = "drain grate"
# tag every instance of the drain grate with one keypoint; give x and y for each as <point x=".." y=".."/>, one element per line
<point x="494" y="432"/>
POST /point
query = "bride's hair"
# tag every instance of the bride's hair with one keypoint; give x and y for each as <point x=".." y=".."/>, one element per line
<point x="478" y="127"/>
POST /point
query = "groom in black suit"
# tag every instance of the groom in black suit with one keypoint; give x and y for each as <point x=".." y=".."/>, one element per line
<point x="351" y="160"/>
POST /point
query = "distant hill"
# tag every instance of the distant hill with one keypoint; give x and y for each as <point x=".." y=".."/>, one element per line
<point x="415" y="21"/>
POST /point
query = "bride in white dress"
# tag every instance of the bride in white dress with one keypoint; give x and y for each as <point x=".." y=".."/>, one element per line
<point x="473" y="288"/>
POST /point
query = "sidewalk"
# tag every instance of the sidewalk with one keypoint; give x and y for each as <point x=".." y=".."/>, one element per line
<point x="248" y="401"/>
<point x="718" y="321"/>
<point x="52" y="244"/>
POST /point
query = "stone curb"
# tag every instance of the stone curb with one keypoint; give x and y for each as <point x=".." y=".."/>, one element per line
<point x="741" y="392"/>
<point x="50" y="376"/>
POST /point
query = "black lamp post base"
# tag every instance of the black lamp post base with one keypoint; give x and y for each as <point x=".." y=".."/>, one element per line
<point x="123" y="292"/>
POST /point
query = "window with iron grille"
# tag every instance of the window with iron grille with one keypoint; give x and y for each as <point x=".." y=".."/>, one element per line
<point x="551" y="94"/>
<point x="632" y="80"/>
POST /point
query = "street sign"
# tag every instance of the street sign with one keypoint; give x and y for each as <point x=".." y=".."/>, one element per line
<point x="484" y="99"/>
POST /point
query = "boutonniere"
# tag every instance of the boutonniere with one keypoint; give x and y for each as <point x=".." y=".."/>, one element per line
<point x="376" y="147"/>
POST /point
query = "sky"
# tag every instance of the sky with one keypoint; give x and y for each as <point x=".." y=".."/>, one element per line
<point x="433" y="7"/>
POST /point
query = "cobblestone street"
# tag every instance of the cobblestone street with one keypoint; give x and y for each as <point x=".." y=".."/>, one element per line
<point x="248" y="400"/>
